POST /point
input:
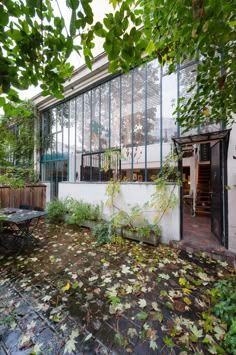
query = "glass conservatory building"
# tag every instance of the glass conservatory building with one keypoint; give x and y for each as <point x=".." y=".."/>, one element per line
<point x="131" y="113"/>
<point x="123" y="127"/>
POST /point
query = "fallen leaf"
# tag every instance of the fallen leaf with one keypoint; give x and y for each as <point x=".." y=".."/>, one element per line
<point x="142" y="303"/>
<point x="141" y="316"/>
<point x="66" y="287"/>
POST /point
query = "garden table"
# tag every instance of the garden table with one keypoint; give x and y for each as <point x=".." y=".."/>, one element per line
<point x="19" y="223"/>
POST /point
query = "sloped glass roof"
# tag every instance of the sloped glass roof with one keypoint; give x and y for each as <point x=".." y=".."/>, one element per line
<point x="203" y="137"/>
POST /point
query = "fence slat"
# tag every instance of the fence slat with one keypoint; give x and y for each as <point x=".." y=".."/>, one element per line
<point x="32" y="196"/>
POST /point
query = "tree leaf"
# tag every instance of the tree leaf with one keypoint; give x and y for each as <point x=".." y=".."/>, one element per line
<point x="141" y="316"/>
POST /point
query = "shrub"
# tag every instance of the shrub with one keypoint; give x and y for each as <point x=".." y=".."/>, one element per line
<point x="80" y="211"/>
<point x="103" y="233"/>
<point x="224" y="297"/>
<point x="56" y="211"/>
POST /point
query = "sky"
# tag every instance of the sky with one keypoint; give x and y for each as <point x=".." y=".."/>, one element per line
<point x="99" y="7"/>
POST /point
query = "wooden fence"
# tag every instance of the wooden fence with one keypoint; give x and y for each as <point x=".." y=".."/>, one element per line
<point x="32" y="196"/>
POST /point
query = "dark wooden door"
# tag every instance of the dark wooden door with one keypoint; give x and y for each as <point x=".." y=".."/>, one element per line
<point x="216" y="191"/>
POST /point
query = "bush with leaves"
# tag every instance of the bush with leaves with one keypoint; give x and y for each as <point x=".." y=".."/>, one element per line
<point x="80" y="211"/>
<point x="56" y="211"/>
<point x="103" y="233"/>
<point x="224" y="298"/>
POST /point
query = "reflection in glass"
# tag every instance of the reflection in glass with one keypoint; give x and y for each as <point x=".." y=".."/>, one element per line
<point x="87" y="121"/>
<point x="139" y="107"/>
<point x="187" y="78"/>
<point x="59" y="145"/>
<point x="126" y="110"/>
<point x="79" y="124"/>
<point x="115" y="113"/>
<point x="169" y="101"/>
<point x="153" y="102"/>
<point x="53" y="120"/>
<point x="104" y="135"/>
<point x="95" y="129"/>
<point x="65" y="113"/>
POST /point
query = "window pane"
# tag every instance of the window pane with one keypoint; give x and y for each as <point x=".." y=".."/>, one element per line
<point x="59" y="145"/>
<point x="59" y="118"/>
<point x="87" y="121"/>
<point x="169" y="101"/>
<point x="153" y="102"/>
<point x="53" y="120"/>
<point x="66" y="121"/>
<point x="139" y="107"/>
<point x="104" y="136"/>
<point x="115" y="113"/>
<point x="79" y="125"/>
<point x="126" y="110"/>
<point x="187" y="78"/>
<point x="153" y="120"/>
<point x="95" y="119"/>
<point x="72" y="141"/>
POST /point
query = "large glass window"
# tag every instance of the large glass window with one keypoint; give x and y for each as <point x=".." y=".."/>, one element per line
<point x="126" y="118"/>
<point x="115" y="113"/>
<point x="132" y="112"/>
<point x="153" y="102"/>
<point x="87" y="120"/>
<point x="169" y="102"/>
<point x="95" y="128"/>
<point x="105" y="113"/>
<point x="187" y="76"/>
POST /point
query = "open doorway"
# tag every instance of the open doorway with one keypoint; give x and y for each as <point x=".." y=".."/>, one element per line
<point x="203" y="195"/>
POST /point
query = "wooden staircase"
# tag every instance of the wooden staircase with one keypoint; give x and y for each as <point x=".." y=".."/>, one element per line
<point x="203" y="200"/>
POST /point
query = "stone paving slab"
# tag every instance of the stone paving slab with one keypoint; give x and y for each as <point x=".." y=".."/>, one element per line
<point x="25" y="327"/>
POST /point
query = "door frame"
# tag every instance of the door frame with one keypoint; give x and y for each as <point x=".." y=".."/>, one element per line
<point x="204" y="138"/>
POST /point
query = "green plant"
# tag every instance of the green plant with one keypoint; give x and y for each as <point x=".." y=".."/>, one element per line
<point x="148" y="229"/>
<point x="224" y="298"/>
<point x="135" y="221"/>
<point x="56" y="211"/>
<point x="129" y="219"/>
<point x="111" y="158"/>
<point x="17" y="177"/>
<point x="80" y="211"/>
<point x="164" y="197"/>
<point x="103" y="233"/>
<point x="113" y="188"/>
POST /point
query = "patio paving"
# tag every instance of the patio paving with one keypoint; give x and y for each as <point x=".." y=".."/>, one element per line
<point x="68" y="296"/>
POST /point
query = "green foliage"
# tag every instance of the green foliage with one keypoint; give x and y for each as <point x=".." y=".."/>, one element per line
<point x="112" y="189"/>
<point x="129" y="219"/>
<point x="224" y="297"/>
<point x="174" y="32"/>
<point x="80" y="211"/>
<point x="56" y="211"/>
<point x="111" y="157"/>
<point x="17" y="136"/>
<point x="164" y="197"/>
<point x="103" y="233"/>
<point x="17" y="177"/>
<point x="135" y="221"/>
<point x="37" y="46"/>
<point x="146" y="230"/>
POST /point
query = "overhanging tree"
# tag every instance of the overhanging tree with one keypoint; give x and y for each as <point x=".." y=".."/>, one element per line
<point x="35" y="48"/>
<point x="36" y="45"/>
<point x="176" y="31"/>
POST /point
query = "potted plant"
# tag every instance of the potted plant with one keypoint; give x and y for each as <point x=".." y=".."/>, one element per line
<point x="82" y="213"/>
<point x="135" y="226"/>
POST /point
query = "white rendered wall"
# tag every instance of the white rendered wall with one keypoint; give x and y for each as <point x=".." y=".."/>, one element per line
<point x="232" y="191"/>
<point x="48" y="191"/>
<point x="130" y="194"/>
